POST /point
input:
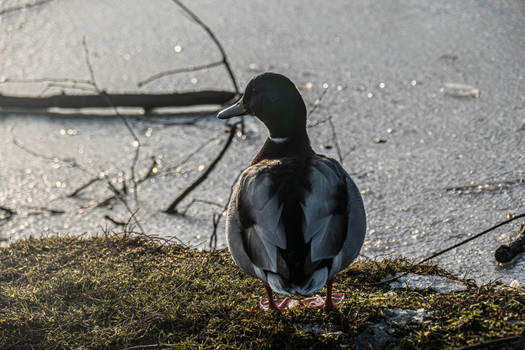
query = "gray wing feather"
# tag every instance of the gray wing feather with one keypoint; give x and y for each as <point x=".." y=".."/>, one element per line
<point x="322" y="226"/>
<point x="356" y="228"/>
<point x="265" y="209"/>
<point x="255" y="250"/>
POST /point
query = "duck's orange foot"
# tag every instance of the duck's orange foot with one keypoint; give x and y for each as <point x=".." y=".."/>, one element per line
<point x="320" y="303"/>
<point x="278" y="304"/>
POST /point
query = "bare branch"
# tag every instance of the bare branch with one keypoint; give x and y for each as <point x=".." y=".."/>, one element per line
<point x="136" y="141"/>
<point x="454" y="246"/>
<point x="336" y="141"/>
<point x="49" y="210"/>
<point x="314" y="108"/>
<point x="172" y="209"/>
<point x="176" y="71"/>
<point x="84" y="186"/>
<point x="9" y="213"/>
<point x="215" y="40"/>
<point x="118" y="223"/>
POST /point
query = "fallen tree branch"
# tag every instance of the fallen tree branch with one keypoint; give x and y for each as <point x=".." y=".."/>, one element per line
<point x="145" y="101"/>
<point x="172" y="209"/>
<point x="176" y="71"/>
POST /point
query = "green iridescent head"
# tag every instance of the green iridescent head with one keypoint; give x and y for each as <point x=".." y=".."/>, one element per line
<point x="275" y="100"/>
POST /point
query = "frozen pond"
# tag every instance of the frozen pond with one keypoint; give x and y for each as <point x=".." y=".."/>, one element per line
<point x="403" y="140"/>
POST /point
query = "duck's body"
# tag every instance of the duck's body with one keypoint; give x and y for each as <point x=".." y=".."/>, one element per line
<point x="295" y="218"/>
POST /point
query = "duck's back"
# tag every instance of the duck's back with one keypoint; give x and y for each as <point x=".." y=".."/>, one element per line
<point x="295" y="222"/>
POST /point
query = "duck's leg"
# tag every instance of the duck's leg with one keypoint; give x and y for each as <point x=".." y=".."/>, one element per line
<point x="331" y="301"/>
<point x="269" y="304"/>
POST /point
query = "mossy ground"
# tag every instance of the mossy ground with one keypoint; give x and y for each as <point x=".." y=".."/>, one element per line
<point x="120" y="291"/>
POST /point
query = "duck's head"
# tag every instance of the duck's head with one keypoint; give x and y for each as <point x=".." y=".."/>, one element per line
<point x="275" y="100"/>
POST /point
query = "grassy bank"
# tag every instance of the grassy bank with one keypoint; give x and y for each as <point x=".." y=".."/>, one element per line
<point x="117" y="292"/>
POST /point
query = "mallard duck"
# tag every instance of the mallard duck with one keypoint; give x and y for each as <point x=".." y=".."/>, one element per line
<point x="295" y="218"/>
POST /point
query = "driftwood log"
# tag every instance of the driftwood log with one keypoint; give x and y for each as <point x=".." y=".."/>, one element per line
<point x="506" y="253"/>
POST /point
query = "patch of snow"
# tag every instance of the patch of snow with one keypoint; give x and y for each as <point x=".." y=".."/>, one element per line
<point x="379" y="334"/>
<point x="438" y="283"/>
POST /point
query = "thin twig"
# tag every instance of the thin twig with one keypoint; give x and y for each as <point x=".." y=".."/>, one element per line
<point x="158" y="346"/>
<point x="172" y="209"/>
<point x="66" y="86"/>
<point x="491" y="343"/>
<point x="152" y="171"/>
<point x="316" y="105"/>
<point x="334" y="136"/>
<point x="215" y="40"/>
<point x="23" y="7"/>
<point x="46" y="81"/>
<point x="195" y="200"/>
<point x="49" y="210"/>
<point x="168" y="171"/>
<point x="176" y="71"/>
<point x="453" y="247"/>
<point x="10" y="213"/>
<point x="136" y="141"/>
<point x="118" y="223"/>
<point x="84" y="186"/>
<point x="69" y="161"/>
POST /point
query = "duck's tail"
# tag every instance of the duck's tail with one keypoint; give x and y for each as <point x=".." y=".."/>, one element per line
<point x="316" y="281"/>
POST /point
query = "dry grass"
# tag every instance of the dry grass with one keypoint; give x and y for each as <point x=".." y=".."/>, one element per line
<point x="117" y="291"/>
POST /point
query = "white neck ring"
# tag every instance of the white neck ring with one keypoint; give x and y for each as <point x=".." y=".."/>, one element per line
<point x="279" y="139"/>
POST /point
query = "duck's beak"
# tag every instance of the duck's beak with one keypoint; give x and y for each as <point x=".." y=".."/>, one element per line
<point x="234" y="110"/>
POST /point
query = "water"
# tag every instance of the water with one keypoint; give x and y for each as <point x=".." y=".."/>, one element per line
<point x="383" y="65"/>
